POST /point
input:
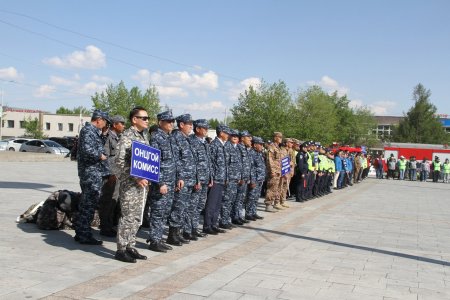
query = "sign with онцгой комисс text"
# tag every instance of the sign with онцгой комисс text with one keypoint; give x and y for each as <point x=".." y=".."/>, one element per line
<point x="145" y="161"/>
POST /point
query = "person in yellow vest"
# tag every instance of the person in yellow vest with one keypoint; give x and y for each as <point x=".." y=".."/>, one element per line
<point x="436" y="169"/>
<point x="322" y="171"/>
<point x="446" y="170"/>
<point x="331" y="169"/>
<point x="402" y="167"/>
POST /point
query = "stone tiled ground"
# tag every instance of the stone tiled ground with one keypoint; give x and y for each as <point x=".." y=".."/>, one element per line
<point x="376" y="240"/>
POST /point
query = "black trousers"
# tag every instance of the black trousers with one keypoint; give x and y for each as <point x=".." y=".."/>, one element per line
<point x="213" y="205"/>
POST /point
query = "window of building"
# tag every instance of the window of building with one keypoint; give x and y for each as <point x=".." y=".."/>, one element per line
<point x="47" y="126"/>
<point x="22" y="124"/>
<point x="70" y="126"/>
<point x="60" y="126"/>
<point x="10" y="123"/>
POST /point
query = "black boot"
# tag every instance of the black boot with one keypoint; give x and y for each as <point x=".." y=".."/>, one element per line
<point x="172" y="238"/>
<point x="180" y="236"/>
<point x="197" y="233"/>
<point x="135" y="254"/>
<point x="164" y="245"/>
<point x="189" y="236"/>
<point x="124" y="256"/>
<point x="157" y="247"/>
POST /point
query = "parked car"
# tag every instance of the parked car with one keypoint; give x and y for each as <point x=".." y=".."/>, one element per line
<point x="3" y="145"/>
<point x="44" y="146"/>
<point x="66" y="141"/>
<point x="15" y="144"/>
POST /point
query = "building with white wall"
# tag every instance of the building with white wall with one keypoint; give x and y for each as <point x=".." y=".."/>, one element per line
<point x="52" y="125"/>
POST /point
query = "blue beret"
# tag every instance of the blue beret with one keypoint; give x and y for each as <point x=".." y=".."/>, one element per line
<point x="203" y="123"/>
<point x="186" y="118"/>
<point x="245" y="133"/>
<point x="165" y="116"/>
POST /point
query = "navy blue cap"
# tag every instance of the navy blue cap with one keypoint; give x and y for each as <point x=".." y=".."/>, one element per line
<point x="186" y="118"/>
<point x="165" y="116"/>
<point x="100" y="114"/>
<point x="257" y="140"/>
<point x="305" y="144"/>
<point x="245" y="133"/>
<point x="234" y="132"/>
<point x="223" y="128"/>
<point x="117" y="119"/>
<point x="203" y="123"/>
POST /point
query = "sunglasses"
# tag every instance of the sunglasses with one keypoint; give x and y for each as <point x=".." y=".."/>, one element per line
<point x="142" y="118"/>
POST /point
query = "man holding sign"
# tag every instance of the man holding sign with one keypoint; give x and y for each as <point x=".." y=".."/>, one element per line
<point x="132" y="189"/>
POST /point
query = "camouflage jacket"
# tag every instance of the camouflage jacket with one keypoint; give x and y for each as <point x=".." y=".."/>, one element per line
<point x="234" y="162"/>
<point x="122" y="160"/>
<point x="218" y="161"/>
<point x="258" y="173"/>
<point x="166" y="144"/>
<point x="184" y="157"/>
<point x="273" y="161"/>
<point x="246" y="162"/>
<point x="90" y="149"/>
<point x="201" y="151"/>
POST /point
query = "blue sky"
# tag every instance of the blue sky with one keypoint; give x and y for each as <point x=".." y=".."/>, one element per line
<point x="202" y="54"/>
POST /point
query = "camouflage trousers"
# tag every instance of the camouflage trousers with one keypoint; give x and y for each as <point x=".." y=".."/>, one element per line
<point x="90" y="188"/>
<point x="196" y="205"/>
<point x="253" y="197"/>
<point x="284" y="187"/>
<point x="230" y="195"/>
<point x="180" y="204"/>
<point x="132" y="200"/>
<point x="239" y="204"/>
<point x="160" y="207"/>
<point x="273" y="191"/>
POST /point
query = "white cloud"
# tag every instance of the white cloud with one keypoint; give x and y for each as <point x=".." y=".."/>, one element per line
<point x="92" y="58"/>
<point x="178" y="84"/>
<point x="56" y="80"/>
<point x="381" y="108"/>
<point x="330" y="85"/>
<point x="237" y="89"/>
<point x="90" y="88"/>
<point x="44" y="91"/>
<point x="104" y="79"/>
<point x="10" y="74"/>
<point x="195" y="107"/>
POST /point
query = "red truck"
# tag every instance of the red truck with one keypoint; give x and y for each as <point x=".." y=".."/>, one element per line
<point x="420" y="151"/>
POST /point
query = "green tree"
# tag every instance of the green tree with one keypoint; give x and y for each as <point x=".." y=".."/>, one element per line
<point x="118" y="100"/>
<point x="213" y="123"/>
<point x="264" y="109"/>
<point x="75" y="111"/>
<point x="421" y="125"/>
<point x="32" y="128"/>
<point x="316" y="115"/>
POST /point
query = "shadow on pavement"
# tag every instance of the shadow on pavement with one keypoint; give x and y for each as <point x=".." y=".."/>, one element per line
<point x="393" y="253"/>
<point x="23" y="185"/>
<point x="60" y="238"/>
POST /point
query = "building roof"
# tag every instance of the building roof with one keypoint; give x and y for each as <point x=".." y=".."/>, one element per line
<point x="388" y="120"/>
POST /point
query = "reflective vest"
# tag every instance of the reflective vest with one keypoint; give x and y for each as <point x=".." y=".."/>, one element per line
<point x="311" y="167"/>
<point x="436" y="166"/>
<point x="446" y="168"/>
<point x="402" y="164"/>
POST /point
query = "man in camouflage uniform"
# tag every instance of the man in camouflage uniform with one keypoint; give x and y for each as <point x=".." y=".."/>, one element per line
<point x="90" y="157"/>
<point x="187" y="178"/>
<point x="257" y="177"/>
<point x="110" y="190"/>
<point x="244" y="146"/>
<point x="162" y="193"/>
<point x="234" y="167"/>
<point x="200" y="149"/>
<point x="273" y="164"/>
<point x="132" y="189"/>
<point x="286" y="151"/>
<point x="220" y="177"/>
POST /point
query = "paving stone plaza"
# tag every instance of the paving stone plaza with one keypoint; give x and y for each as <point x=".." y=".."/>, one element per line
<point x="380" y="239"/>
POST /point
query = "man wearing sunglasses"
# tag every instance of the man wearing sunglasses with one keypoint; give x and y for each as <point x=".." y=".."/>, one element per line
<point x="132" y="189"/>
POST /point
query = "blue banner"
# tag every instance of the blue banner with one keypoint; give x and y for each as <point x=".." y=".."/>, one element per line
<point x="285" y="165"/>
<point x="145" y="161"/>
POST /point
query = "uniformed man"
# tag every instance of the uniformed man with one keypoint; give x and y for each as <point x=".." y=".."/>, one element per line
<point x="220" y="177"/>
<point x="90" y="155"/>
<point x="273" y="164"/>
<point x="186" y="179"/>
<point x="162" y="194"/>
<point x="257" y="177"/>
<point x="311" y="169"/>
<point x="286" y="150"/>
<point x="234" y="171"/>
<point x="200" y="149"/>
<point x="302" y="173"/>
<point x="133" y="190"/>
<point x="110" y="190"/>
<point x="244" y="147"/>
<point x="322" y="175"/>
